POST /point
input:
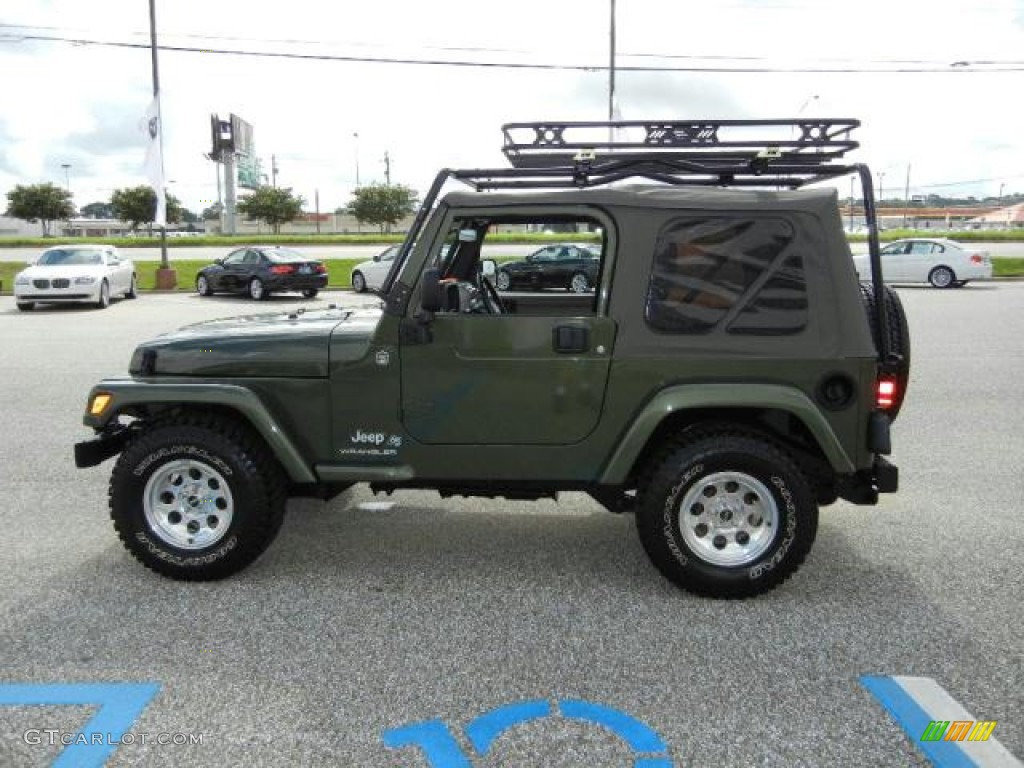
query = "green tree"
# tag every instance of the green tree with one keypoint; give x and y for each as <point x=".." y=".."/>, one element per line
<point x="211" y="212"/>
<point x="273" y="205"/>
<point x="98" y="211"/>
<point x="137" y="205"/>
<point x="383" y="204"/>
<point x="40" y="202"/>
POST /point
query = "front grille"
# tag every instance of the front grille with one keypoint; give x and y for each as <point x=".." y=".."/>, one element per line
<point x="61" y="282"/>
<point x="41" y="284"/>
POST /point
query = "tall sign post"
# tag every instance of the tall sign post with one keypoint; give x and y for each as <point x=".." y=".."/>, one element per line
<point x="166" y="278"/>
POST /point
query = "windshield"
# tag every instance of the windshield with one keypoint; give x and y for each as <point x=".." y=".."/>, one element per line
<point x="75" y="256"/>
<point x="284" y="255"/>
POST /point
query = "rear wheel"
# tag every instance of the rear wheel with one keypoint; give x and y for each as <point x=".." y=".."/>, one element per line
<point x="942" y="277"/>
<point x="726" y="514"/>
<point x="133" y="292"/>
<point x="358" y="282"/>
<point x="197" y="499"/>
<point x="257" y="290"/>
<point x="504" y="280"/>
<point x="310" y="293"/>
<point x="579" y="283"/>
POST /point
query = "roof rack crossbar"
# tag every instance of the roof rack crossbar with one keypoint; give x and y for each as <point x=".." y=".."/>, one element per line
<point x="814" y="142"/>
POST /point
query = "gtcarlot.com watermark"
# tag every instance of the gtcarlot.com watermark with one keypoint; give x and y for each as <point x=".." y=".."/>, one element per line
<point x="52" y="737"/>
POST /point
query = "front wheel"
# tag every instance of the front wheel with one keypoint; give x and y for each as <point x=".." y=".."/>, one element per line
<point x="196" y="500"/>
<point x="203" y="286"/>
<point x="358" y="282"/>
<point x="726" y="515"/>
<point x="942" y="277"/>
<point x="310" y="293"/>
<point x="504" y="280"/>
<point x="104" y="298"/>
<point x="257" y="290"/>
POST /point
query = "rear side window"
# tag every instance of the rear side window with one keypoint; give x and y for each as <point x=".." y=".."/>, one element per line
<point x="740" y="275"/>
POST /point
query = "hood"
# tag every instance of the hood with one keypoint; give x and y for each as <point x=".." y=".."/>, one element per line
<point x="292" y="344"/>
<point x="70" y="271"/>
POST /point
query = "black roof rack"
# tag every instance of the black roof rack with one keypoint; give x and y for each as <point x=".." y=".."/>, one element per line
<point x="786" y="153"/>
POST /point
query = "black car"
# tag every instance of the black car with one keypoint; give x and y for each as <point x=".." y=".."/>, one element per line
<point x="562" y="265"/>
<point x="260" y="270"/>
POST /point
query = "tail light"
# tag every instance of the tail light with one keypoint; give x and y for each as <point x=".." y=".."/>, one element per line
<point x="282" y="269"/>
<point x="976" y="258"/>
<point x="319" y="268"/>
<point x="888" y="392"/>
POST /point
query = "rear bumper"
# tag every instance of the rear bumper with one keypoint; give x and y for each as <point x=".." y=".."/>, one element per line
<point x="296" y="283"/>
<point x="863" y="487"/>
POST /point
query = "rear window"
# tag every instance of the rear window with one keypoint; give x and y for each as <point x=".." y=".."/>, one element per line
<point x="736" y="274"/>
<point x="285" y="256"/>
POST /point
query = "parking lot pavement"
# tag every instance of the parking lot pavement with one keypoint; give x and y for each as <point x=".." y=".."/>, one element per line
<point x="377" y="622"/>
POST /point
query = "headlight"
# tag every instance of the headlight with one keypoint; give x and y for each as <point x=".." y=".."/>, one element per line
<point x="85" y="280"/>
<point x="22" y="280"/>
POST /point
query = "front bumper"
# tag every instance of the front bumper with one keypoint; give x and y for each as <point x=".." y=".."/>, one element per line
<point x="88" y="292"/>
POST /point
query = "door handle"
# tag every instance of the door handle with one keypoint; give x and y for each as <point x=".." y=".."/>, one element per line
<point x="571" y="339"/>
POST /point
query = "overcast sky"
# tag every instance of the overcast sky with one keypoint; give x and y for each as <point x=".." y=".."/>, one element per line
<point x="936" y="84"/>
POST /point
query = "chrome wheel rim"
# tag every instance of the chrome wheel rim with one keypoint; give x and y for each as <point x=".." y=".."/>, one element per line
<point x="256" y="289"/>
<point x="579" y="284"/>
<point x="358" y="283"/>
<point x="942" y="278"/>
<point x="201" y="285"/>
<point x="504" y="281"/>
<point x="188" y="504"/>
<point x="729" y="519"/>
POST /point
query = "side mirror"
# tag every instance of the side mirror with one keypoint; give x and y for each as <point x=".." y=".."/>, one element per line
<point x="219" y="262"/>
<point x="489" y="268"/>
<point x="377" y="257"/>
<point x="430" y="292"/>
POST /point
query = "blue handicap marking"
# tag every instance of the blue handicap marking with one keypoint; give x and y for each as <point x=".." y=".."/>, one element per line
<point x="120" y="705"/>
<point x="442" y="749"/>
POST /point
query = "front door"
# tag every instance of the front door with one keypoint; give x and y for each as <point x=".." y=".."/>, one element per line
<point x="533" y="374"/>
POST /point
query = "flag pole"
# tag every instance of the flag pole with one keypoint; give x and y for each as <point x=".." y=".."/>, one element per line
<point x="166" y="277"/>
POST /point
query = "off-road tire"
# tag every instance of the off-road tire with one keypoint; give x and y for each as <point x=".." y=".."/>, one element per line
<point x="899" y="332"/>
<point x="716" y="458"/>
<point x="232" y="451"/>
<point x="358" y="282"/>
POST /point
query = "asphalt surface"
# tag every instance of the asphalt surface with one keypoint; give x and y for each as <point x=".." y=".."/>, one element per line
<point x="368" y="614"/>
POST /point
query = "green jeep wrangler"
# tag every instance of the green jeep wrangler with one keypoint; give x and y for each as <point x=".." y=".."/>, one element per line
<point x="721" y="373"/>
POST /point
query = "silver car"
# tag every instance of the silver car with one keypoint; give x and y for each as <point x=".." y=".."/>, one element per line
<point x="940" y="262"/>
<point x="76" y="273"/>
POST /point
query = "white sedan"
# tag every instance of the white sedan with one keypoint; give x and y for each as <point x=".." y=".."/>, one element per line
<point x="370" y="275"/>
<point x="941" y="262"/>
<point x="75" y="273"/>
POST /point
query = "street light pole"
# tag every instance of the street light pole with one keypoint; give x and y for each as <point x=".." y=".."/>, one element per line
<point x="906" y="197"/>
<point x="356" y="137"/>
<point x="67" y="176"/>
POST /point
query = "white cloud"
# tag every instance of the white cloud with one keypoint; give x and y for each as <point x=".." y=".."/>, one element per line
<point x="80" y="104"/>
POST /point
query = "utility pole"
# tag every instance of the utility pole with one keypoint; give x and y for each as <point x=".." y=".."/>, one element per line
<point x="230" y="198"/>
<point x="166" y="277"/>
<point x="273" y="171"/>
<point x="906" y="197"/>
<point x="387" y="169"/>
<point x="356" y="137"/>
<point x="316" y="204"/>
<point x="67" y="176"/>
<point x="611" y="72"/>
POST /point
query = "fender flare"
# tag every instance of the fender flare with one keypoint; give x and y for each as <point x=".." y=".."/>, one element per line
<point x="129" y="392"/>
<point x="693" y="396"/>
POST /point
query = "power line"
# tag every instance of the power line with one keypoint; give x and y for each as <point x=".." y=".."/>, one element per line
<point x="957" y="67"/>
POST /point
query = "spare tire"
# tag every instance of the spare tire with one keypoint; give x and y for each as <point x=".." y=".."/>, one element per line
<point x="898" y="334"/>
